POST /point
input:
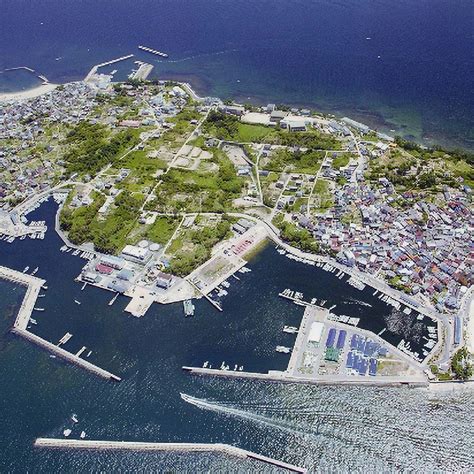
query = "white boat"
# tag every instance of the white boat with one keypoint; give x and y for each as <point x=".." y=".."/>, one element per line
<point x="67" y="432"/>
<point x="74" y="418"/>
<point x="77" y="302"/>
<point x="82" y="435"/>
<point x="26" y="269"/>
<point x="283" y="349"/>
<point x="290" y="329"/>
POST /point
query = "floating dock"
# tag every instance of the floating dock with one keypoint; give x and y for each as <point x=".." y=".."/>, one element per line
<point x="177" y="447"/>
<point x="153" y="51"/>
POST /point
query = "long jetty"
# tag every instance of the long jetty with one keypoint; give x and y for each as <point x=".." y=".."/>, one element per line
<point x="177" y="447"/>
<point x="63" y="354"/>
<point x="20" y="325"/>
<point x="284" y="377"/>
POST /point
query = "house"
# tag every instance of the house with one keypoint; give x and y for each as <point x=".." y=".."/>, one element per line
<point x="233" y="110"/>
<point x="277" y="116"/>
<point x="164" y="280"/>
<point x="293" y="124"/>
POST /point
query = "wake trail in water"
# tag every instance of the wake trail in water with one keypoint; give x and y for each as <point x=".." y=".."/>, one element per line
<point x="354" y="301"/>
<point x="227" y="410"/>
<point x="196" y="56"/>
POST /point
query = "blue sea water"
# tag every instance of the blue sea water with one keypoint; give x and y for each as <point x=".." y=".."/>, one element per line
<point x="404" y="66"/>
<point x="340" y="429"/>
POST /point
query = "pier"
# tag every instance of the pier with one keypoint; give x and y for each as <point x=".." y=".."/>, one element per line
<point x="176" y="447"/>
<point x="63" y="354"/>
<point x="208" y="298"/>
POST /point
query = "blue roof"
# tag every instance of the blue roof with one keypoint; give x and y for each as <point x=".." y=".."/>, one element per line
<point x="372" y="366"/>
<point x="331" y="337"/>
<point x="341" y="339"/>
<point x="350" y="360"/>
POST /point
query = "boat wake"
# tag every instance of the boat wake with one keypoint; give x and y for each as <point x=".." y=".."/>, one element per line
<point x="189" y="58"/>
<point x="236" y="412"/>
<point x="354" y="301"/>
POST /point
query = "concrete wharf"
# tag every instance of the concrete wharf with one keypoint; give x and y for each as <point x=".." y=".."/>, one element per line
<point x="143" y="71"/>
<point x="177" y="447"/>
<point x="107" y="63"/>
<point x="33" y="285"/>
<point x="208" y="298"/>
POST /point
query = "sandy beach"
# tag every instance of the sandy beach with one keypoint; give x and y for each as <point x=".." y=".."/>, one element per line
<point x="28" y="94"/>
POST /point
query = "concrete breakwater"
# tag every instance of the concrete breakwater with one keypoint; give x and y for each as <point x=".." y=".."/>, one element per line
<point x="284" y="377"/>
<point x="177" y="447"/>
<point x="68" y="356"/>
<point x="33" y="285"/>
<point x="20" y="325"/>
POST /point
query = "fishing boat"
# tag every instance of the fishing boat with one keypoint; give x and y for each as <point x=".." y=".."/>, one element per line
<point x="283" y="349"/>
<point x="82" y="435"/>
<point x="290" y="329"/>
<point x="67" y="432"/>
<point x="188" y="308"/>
<point x="26" y="269"/>
<point x="74" y="418"/>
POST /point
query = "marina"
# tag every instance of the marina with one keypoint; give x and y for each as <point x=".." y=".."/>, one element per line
<point x="349" y="359"/>
<point x="239" y="346"/>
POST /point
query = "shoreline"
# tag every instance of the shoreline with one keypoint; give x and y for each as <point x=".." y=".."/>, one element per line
<point x="201" y="87"/>
<point x="28" y="93"/>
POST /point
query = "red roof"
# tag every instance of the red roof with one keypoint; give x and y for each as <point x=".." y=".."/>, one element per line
<point x="103" y="269"/>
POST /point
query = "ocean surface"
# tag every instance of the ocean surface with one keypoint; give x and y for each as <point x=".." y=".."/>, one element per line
<point x="404" y="67"/>
<point x="339" y="429"/>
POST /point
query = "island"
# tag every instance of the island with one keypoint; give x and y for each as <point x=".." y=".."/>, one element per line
<point x="167" y="195"/>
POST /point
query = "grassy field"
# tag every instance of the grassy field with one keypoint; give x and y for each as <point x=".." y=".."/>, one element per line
<point x="341" y="160"/>
<point x="323" y="196"/>
<point x="307" y="162"/>
<point x="162" y="229"/>
<point x="251" y="133"/>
